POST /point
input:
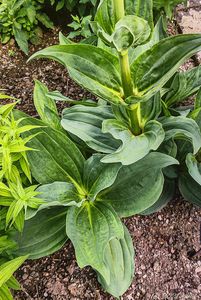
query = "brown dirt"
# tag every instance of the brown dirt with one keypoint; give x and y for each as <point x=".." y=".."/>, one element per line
<point x="165" y="270"/>
<point x="17" y="76"/>
<point x="166" y="243"/>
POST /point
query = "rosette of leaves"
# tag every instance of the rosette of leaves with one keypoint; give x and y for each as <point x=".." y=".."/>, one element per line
<point x="81" y="203"/>
<point x="22" y="19"/>
<point x="132" y="87"/>
<point x="135" y="134"/>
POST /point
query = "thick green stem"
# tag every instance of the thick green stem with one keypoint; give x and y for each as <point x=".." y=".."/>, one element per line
<point x="127" y="83"/>
<point x="134" y="119"/>
<point x="126" y="74"/>
<point x="118" y="9"/>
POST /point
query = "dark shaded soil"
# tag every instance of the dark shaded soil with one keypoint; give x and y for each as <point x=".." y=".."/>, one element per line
<point x="17" y="76"/>
<point x="167" y="244"/>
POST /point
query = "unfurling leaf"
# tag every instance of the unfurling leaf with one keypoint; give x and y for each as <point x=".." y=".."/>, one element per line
<point x="130" y="31"/>
<point x="133" y="147"/>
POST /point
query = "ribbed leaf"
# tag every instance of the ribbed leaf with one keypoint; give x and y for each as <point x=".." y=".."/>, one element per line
<point x="90" y="228"/>
<point x="156" y="66"/>
<point x="86" y="124"/>
<point x="44" y="234"/>
<point x="183" y="85"/>
<point x="140" y="8"/>
<point x="119" y="260"/>
<point x="45" y="106"/>
<point x="57" y="158"/>
<point x="97" y="176"/>
<point x="5" y="293"/>
<point x="55" y="194"/>
<point x="133" y="148"/>
<point x="8" y="268"/>
<point x="145" y="186"/>
<point x="97" y="72"/>
<point x="12" y="283"/>
<point x="105" y="16"/>
<point x="150" y="110"/>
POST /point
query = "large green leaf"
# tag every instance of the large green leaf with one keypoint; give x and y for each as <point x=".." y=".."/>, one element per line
<point x="151" y="70"/>
<point x="56" y="157"/>
<point x="97" y="72"/>
<point x="182" y="128"/>
<point x="119" y="260"/>
<point x="44" y="234"/>
<point x="190" y="189"/>
<point x="183" y="85"/>
<point x="86" y="124"/>
<point x="97" y="176"/>
<point x="45" y="106"/>
<point x="133" y="148"/>
<point x="138" y="186"/>
<point x="90" y="228"/>
<point x="166" y="196"/>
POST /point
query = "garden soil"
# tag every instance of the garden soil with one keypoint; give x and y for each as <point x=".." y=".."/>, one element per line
<point x="167" y="244"/>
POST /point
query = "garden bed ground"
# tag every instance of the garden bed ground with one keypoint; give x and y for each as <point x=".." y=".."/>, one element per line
<point x="167" y="244"/>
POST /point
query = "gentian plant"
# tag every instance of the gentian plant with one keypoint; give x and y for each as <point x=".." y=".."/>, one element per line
<point x="118" y="156"/>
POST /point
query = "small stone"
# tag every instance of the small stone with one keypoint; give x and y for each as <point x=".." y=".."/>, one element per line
<point x="198" y="270"/>
<point x="25" y="276"/>
<point x="160" y="217"/>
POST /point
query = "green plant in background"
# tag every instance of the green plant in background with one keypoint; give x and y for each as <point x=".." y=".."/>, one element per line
<point x="80" y="26"/>
<point x="8" y="265"/>
<point x="14" y="198"/>
<point x="135" y="129"/>
<point x="14" y="168"/>
<point x="22" y="19"/>
<point x="167" y="5"/>
<point x="7" y="268"/>
<point x="82" y="6"/>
